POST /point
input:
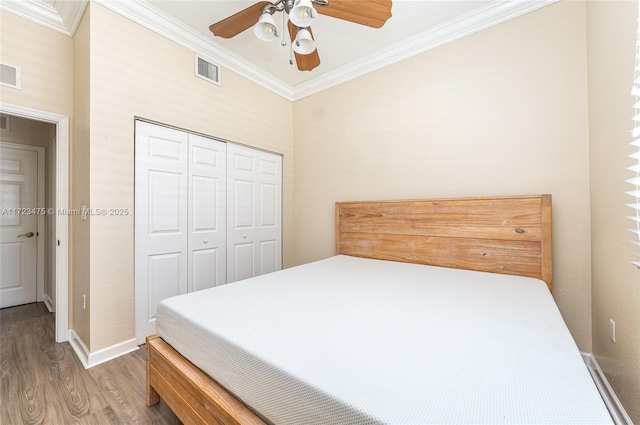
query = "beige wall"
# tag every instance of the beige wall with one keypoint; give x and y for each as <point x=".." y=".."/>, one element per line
<point x="46" y="58"/>
<point x="24" y="131"/>
<point x="46" y="61"/>
<point x="79" y="312"/>
<point x="501" y="112"/>
<point x="611" y="30"/>
<point x="135" y="72"/>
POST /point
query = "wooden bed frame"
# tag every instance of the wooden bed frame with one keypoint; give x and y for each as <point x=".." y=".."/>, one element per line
<point x="509" y="235"/>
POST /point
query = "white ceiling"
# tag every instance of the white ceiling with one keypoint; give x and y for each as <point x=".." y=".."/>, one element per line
<point x="339" y="42"/>
<point x="346" y="50"/>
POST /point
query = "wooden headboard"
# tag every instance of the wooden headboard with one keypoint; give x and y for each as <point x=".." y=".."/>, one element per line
<point x="509" y="235"/>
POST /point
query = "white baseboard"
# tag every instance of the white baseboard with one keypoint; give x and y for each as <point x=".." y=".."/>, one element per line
<point x="48" y="302"/>
<point x="616" y="410"/>
<point x="89" y="359"/>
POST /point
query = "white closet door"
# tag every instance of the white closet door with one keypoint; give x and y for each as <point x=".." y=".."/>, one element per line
<point x="207" y="213"/>
<point x="161" y="231"/>
<point x="254" y="195"/>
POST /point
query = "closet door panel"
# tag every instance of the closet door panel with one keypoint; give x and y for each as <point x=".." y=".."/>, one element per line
<point x="241" y="222"/>
<point x="270" y="221"/>
<point x="165" y="279"/>
<point x="166" y="230"/>
<point x="242" y="231"/>
<point x="268" y="257"/>
<point x="207" y="212"/>
<point x="161" y="231"/>
<point x="205" y="268"/>
<point x="254" y="180"/>
<point x="243" y="261"/>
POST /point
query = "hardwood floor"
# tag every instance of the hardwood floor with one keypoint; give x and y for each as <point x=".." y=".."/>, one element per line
<point x="43" y="382"/>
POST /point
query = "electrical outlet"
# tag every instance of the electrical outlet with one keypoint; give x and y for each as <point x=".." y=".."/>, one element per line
<point x="612" y="330"/>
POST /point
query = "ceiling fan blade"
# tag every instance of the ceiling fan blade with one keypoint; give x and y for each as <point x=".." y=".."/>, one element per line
<point x="239" y="22"/>
<point x="372" y="13"/>
<point x="304" y="62"/>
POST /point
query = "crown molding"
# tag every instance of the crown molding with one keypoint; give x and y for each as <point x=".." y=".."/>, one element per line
<point x="62" y="17"/>
<point x="163" y="24"/>
<point x="37" y="11"/>
<point x="462" y="26"/>
<point x="495" y="13"/>
<point x="70" y="12"/>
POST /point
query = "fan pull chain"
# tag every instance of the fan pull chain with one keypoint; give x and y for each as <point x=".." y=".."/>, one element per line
<point x="291" y="54"/>
<point x="283" y="42"/>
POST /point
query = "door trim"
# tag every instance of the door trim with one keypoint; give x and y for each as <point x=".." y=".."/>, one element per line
<point x="40" y="184"/>
<point x="62" y="203"/>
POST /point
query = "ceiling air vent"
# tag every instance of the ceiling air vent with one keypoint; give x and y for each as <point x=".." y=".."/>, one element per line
<point x="207" y="70"/>
<point x="10" y="76"/>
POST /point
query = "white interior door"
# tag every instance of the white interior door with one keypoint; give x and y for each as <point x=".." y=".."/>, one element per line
<point x="254" y="187"/>
<point x="207" y="208"/>
<point x="18" y="226"/>
<point x="161" y="230"/>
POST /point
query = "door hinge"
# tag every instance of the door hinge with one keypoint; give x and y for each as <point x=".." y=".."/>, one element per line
<point x="58" y="242"/>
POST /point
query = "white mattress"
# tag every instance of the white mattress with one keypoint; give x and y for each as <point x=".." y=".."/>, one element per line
<point x="355" y="341"/>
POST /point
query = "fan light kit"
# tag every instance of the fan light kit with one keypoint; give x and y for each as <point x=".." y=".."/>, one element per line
<point x="301" y="14"/>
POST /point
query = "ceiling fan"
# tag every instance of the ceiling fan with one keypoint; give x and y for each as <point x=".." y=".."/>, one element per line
<point x="301" y="14"/>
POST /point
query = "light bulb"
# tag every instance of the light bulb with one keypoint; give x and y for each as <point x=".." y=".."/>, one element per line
<point x="302" y="13"/>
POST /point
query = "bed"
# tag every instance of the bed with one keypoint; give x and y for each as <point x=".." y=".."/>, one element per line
<point x="431" y="311"/>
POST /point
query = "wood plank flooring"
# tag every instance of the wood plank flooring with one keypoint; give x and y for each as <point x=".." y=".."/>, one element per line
<point x="42" y="382"/>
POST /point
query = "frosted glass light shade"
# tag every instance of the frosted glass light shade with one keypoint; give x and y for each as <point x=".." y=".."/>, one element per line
<point x="266" y="28"/>
<point x="303" y="14"/>
<point x="303" y="43"/>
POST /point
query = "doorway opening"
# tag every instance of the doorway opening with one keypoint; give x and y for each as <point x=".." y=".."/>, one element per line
<point x="54" y="220"/>
<point x="26" y="253"/>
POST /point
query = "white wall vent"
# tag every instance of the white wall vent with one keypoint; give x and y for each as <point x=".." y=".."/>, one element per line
<point x="207" y="70"/>
<point x="5" y="122"/>
<point x="10" y="75"/>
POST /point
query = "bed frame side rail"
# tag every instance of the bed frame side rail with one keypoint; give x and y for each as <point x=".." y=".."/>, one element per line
<point x="192" y="395"/>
